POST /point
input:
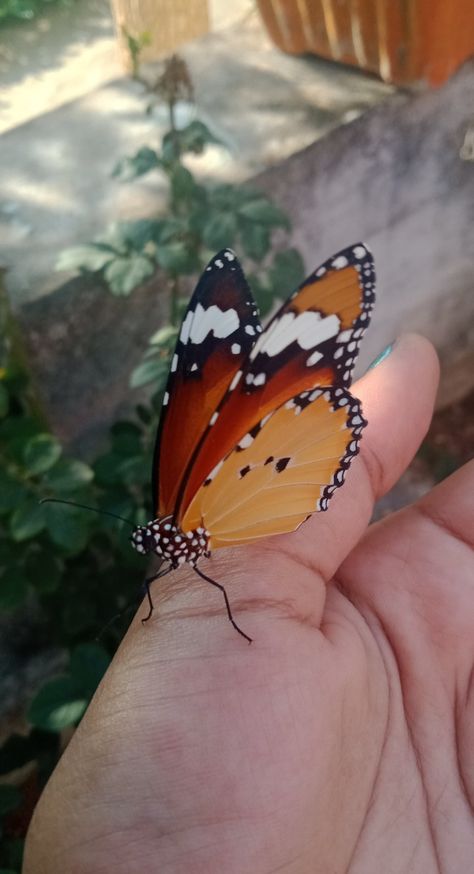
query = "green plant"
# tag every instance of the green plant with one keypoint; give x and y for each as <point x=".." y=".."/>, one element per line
<point x="24" y="10"/>
<point x="71" y="570"/>
<point x="77" y="568"/>
<point x="198" y="219"/>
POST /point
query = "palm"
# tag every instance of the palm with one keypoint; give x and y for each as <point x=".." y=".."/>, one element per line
<point x="339" y="741"/>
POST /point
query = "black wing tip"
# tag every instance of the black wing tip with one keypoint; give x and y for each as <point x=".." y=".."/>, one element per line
<point x="224" y="258"/>
<point x="357" y="255"/>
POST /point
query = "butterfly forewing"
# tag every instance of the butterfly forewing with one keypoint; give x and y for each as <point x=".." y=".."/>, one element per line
<point x="216" y="336"/>
<point x="288" y="470"/>
<point x="311" y="341"/>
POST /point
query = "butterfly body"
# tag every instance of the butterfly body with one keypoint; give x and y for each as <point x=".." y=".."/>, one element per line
<point x="258" y="426"/>
<point x="170" y="542"/>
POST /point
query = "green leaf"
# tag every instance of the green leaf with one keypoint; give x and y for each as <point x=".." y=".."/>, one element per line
<point x="126" y="439"/>
<point x="67" y="476"/>
<point x="155" y="370"/>
<point x="264" y="212"/>
<point x="125" y="274"/>
<point x="15" y="431"/>
<point x="176" y="258"/>
<point x="68" y="527"/>
<point x="13" y="589"/>
<point x="44" y="571"/>
<point x="12" y="492"/>
<point x="140" y="233"/>
<point x="27" y="521"/>
<point x="92" y="257"/>
<point x="286" y="273"/>
<point x="142" y="162"/>
<point x="58" y="703"/>
<point x="89" y="662"/>
<point x="40" y="453"/>
<point x="192" y="138"/>
<point x="4" y="401"/>
<point x="171" y="228"/>
<point x="262" y="293"/>
<point x="10" y="798"/>
<point x="106" y="468"/>
<point x="144" y="414"/>
<point x="13" y="854"/>
<point x="255" y="240"/>
<point x="165" y="337"/>
<point x="134" y="471"/>
<point x="182" y="183"/>
<point x="220" y="231"/>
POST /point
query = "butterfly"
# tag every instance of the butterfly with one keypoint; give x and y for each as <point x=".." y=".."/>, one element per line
<point x="258" y="426"/>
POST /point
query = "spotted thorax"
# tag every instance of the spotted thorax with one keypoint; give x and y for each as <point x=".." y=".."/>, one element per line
<point x="168" y="541"/>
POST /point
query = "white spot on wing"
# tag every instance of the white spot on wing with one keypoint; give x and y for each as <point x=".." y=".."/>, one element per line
<point x="344" y="336"/>
<point x="235" y="380"/>
<point x="166" y="398"/>
<point x="359" y="252"/>
<point x="214" y="418"/>
<point x="211" y="476"/>
<point x="307" y="329"/>
<point x="246" y="441"/>
<point x="212" y="320"/>
<point x="174" y="363"/>
<point x="235" y="348"/>
<point x="259" y="379"/>
<point x="339" y="262"/>
<point x="313" y="358"/>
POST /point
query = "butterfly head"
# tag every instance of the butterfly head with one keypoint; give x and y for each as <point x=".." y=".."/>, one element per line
<point x="143" y="539"/>
<point x="167" y="540"/>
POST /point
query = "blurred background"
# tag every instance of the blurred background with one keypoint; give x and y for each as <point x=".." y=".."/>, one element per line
<point x="136" y="139"/>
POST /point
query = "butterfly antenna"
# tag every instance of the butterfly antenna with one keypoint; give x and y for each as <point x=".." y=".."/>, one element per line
<point x="85" y="507"/>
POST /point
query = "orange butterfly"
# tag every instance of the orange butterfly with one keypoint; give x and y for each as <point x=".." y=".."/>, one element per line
<point x="258" y="427"/>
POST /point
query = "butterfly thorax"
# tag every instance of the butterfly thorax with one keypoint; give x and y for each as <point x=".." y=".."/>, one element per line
<point x="167" y="540"/>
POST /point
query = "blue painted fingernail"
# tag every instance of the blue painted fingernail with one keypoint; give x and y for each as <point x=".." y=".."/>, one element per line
<point x="383" y="355"/>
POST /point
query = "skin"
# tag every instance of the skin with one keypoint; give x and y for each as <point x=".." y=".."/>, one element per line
<point x="342" y="739"/>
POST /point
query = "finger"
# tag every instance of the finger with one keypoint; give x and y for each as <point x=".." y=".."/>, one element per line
<point x="450" y="505"/>
<point x="397" y="400"/>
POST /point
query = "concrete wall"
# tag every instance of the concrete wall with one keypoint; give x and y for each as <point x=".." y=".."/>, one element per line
<point x="395" y="179"/>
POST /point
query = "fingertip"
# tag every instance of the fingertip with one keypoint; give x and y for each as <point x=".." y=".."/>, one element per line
<point x="398" y="396"/>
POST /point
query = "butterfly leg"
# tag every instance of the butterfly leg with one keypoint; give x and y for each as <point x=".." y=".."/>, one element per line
<point x="227" y="604"/>
<point x="146" y="586"/>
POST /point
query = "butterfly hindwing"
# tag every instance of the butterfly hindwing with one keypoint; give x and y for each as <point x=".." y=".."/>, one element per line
<point x="217" y="333"/>
<point x="311" y="341"/>
<point x="288" y="469"/>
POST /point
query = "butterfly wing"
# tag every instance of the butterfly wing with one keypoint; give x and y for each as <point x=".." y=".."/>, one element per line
<point x="288" y="470"/>
<point x="216" y="336"/>
<point x="311" y="341"/>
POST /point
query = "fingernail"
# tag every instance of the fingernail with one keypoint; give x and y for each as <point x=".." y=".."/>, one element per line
<point x="382" y="356"/>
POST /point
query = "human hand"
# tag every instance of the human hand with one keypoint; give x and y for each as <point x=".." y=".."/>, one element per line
<point x="342" y="739"/>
